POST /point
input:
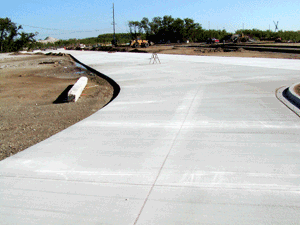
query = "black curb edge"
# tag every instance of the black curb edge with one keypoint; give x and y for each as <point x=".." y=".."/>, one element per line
<point x="114" y="84"/>
<point x="281" y="95"/>
<point x="292" y="96"/>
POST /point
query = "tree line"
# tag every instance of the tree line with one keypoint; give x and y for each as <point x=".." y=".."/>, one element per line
<point x="11" y="37"/>
<point x="257" y="34"/>
<point x="158" y="30"/>
<point x="162" y="35"/>
<point x="169" y="29"/>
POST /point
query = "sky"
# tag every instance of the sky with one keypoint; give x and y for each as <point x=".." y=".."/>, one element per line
<point x="65" y="19"/>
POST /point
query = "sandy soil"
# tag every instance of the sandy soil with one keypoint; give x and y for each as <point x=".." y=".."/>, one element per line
<point x="297" y="89"/>
<point x="30" y="87"/>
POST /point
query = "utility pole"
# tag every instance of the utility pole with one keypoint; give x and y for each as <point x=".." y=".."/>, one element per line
<point x="114" y="42"/>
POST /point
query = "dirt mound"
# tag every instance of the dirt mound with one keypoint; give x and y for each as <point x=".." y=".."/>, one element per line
<point x="138" y="50"/>
<point x="49" y="40"/>
<point x="219" y="50"/>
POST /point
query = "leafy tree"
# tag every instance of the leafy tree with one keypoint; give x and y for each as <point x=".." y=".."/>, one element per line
<point x="145" y="25"/>
<point x="190" y="29"/>
<point x="167" y="29"/>
<point x="155" y="25"/>
<point x="135" y="28"/>
<point x="121" y="37"/>
<point x="10" y="37"/>
<point x="25" y="40"/>
<point x="177" y="28"/>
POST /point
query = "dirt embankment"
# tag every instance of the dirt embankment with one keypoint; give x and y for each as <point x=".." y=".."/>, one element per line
<point x="31" y="107"/>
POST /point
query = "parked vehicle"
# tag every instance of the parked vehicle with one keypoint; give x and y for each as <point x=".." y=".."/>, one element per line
<point x="212" y="40"/>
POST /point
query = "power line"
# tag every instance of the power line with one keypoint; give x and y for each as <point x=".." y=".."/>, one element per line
<point x="73" y="31"/>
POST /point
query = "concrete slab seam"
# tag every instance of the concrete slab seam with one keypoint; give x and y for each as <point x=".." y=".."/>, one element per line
<point x="164" y="162"/>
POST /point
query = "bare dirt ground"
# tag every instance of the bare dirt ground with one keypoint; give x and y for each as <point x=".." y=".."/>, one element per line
<point x="30" y="84"/>
<point x="179" y="50"/>
<point x="297" y="89"/>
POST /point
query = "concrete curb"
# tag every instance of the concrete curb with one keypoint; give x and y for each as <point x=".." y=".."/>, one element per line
<point x="114" y="84"/>
<point x="293" y="96"/>
<point x="76" y="90"/>
<point x="289" y="98"/>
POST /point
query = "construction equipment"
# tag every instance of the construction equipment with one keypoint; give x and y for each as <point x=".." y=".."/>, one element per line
<point x="238" y="38"/>
<point x="138" y="42"/>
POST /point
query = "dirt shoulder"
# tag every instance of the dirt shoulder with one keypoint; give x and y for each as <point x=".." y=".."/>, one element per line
<point x="29" y="86"/>
<point x="193" y="49"/>
<point x="203" y="51"/>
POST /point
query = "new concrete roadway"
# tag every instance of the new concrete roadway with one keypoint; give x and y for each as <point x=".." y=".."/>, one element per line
<point x="193" y="140"/>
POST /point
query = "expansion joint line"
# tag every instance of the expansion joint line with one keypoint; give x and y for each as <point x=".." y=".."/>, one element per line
<point x="163" y="164"/>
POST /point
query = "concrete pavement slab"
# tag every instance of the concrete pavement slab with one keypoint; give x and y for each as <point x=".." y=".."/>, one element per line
<point x="193" y="140"/>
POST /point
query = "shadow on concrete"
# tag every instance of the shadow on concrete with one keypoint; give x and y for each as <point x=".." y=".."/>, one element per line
<point x="63" y="97"/>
